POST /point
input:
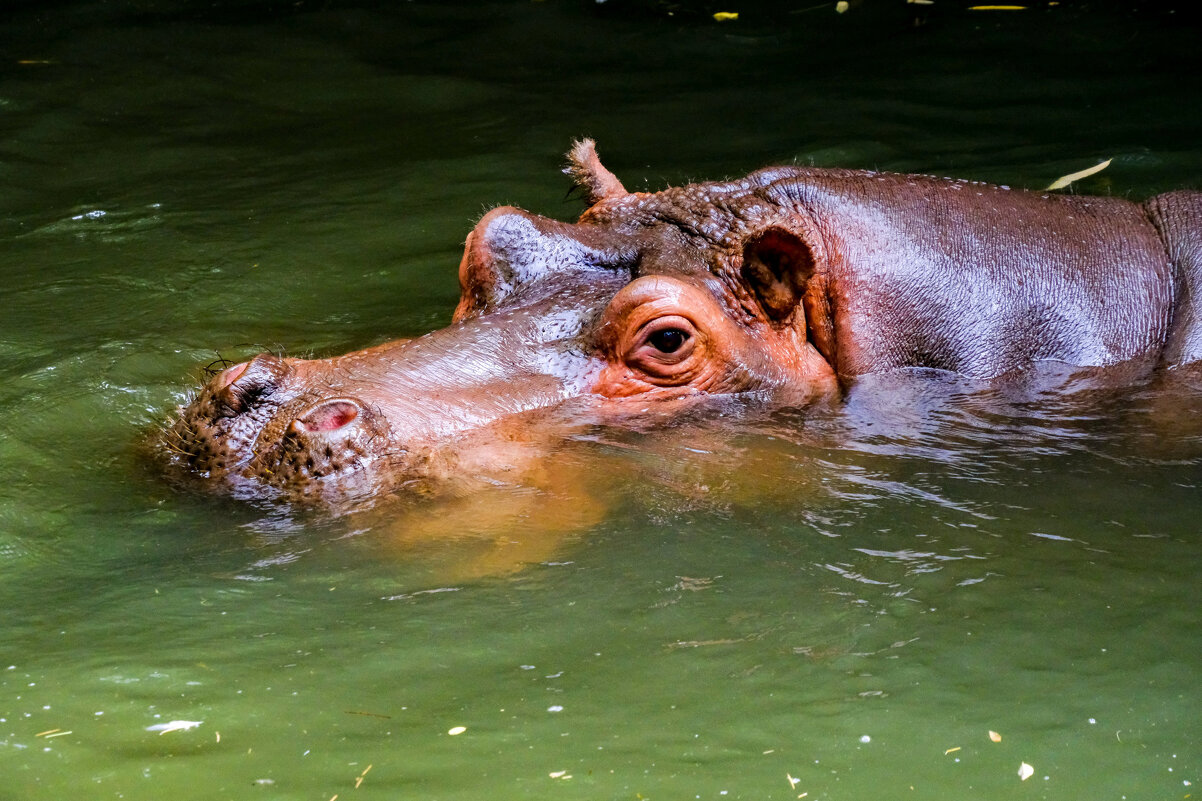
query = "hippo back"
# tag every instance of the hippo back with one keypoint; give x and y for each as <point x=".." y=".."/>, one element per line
<point x="983" y="280"/>
<point x="1178" y="218"/>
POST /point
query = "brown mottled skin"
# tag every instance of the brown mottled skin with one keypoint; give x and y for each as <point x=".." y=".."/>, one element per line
<point x="788" y="283"/>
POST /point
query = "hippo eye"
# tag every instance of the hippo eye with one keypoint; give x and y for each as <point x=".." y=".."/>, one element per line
<point x="667" y="340"/>
<point x="663" y="347"/>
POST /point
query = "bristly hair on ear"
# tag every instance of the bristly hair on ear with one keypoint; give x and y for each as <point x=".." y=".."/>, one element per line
<point x="590" y="175"/>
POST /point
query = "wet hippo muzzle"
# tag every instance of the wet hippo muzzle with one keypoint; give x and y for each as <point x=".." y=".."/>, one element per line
<point x="254" y="421"/>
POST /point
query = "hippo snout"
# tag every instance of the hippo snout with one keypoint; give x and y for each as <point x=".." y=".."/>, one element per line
<point x="266" y="422"/>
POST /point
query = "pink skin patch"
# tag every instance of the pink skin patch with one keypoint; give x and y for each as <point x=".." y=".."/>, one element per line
<point x="327" y="416"/>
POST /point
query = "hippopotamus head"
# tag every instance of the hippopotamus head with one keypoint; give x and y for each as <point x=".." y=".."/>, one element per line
<point x="671" y="297"/>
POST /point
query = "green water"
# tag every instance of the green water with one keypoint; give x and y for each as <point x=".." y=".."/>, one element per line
<point x="841" y="600"/>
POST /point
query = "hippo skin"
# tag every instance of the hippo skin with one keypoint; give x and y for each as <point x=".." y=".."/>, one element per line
<point x="785" y="285"/>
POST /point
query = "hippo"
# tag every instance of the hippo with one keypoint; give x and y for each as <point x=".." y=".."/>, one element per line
<point x="786" y="286"/>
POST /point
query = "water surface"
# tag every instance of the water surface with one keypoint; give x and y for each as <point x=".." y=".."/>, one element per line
<point x="842" y="604"/>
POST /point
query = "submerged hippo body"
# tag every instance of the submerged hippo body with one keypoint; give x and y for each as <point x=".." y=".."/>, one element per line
<point x="788" y="283"/>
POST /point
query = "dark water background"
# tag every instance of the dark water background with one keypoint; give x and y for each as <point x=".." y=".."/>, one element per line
<point x="835" y="603"/>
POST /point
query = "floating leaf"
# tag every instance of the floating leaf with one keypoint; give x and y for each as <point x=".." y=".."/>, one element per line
<point x="997" y="738"/>
<point x="1060" y="183"/>
<point x="951" y="750"/>
<point x="726" y="16"/>
<point x="1025" y="771"/>
<point x="841" y="7"/>
<point x="454" y="730"/>
<point x="997" y="8"/>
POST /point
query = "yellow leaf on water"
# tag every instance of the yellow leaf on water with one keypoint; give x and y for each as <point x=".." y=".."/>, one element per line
<point x="726" y="16"/>
<point x="1060" y="183"/>
<point x="951" y="750"/>
<point x="997" y="738"/>
<point x="1025" y="771"/>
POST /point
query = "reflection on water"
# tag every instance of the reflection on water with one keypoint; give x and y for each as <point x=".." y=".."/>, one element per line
<point x="747" y="603"/>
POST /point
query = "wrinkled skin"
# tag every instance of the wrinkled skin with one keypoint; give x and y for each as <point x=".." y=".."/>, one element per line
<point x="785" y="285"/>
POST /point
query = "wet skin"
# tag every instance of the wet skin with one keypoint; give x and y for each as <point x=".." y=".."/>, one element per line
<point x="785" y="285"/>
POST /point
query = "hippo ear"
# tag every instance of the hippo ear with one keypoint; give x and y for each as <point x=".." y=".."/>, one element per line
<point x="777" y="264"/>
<point x="511" y="250"/>
<point x="785" y="273"/>
<point x="590" y="175"/>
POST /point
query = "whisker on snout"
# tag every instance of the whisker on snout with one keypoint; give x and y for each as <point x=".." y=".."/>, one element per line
<point x="213" y="368"/>
<point x="221" y="363"/>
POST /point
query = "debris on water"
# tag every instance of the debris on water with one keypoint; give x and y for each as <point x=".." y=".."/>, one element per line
<point x="1062" y="182"/>
<point x="951" y="750"/>
<point x="456" y="730"/>
<point x="174" y="725"/>
<point x="1056" y="537"/>
<point x="560" y="774"/>
<point x="726" y="16"/>
<point x="409" y="596"/>
<point x="359" y="779"/>
<point x="865" y="738"/>
<point x="997" y="738"/>
<point x="1025" y="771"/>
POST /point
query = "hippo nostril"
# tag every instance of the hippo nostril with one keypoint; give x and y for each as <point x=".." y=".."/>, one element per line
<point x="239" y="386"/>
<point x="229" y="375"/>
<point x="327" y="416"/>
